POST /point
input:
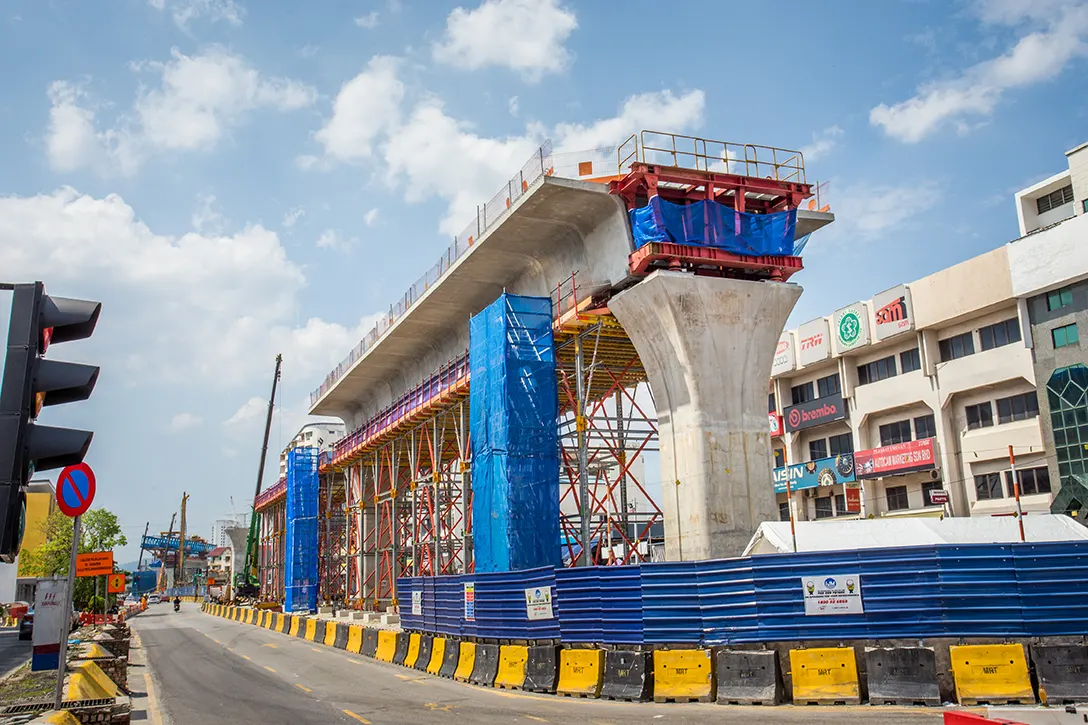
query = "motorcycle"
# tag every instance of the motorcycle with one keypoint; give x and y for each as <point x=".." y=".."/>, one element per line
<point x="177" y="606"/>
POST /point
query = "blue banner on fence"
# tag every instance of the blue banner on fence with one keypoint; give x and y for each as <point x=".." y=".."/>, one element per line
<point x="821" y="472"/>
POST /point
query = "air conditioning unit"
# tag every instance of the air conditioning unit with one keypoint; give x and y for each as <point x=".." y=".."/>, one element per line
<point x="935" y="475"/>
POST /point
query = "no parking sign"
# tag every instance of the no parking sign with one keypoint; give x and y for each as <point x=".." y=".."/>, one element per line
<point x="75" y="489"/>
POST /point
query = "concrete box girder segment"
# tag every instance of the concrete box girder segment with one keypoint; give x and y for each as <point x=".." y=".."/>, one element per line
<point x="707" y="344"/>
<point x="556" y="227"/>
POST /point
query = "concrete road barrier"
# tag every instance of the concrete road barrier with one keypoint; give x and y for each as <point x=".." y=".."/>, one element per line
<point x="355" y="638"/>
<point x="466" y="661"/>
<point x="510" y="674"/>
<point x="340" y="641"/>
<point x="387" y="646"/>
<point x="438" y="656"/>
<point x="824" y="676"/>
<point x="1062" y="671"/>
<point x="487" y="665"/>
<point x="450" y="659"/>
<point x="580" y="672"/>
<point x="992" y="674"/>
<point x="311" y="630"/>
<point x="370" y="642"/>
<point x="330" y="633"/>
<point x="627" y="676"/>
<point x="89" y="682"/>
<point x="542" y="668"/>
<point x="412" y="657"/>
<point x="281" y="623"/>
<point x="248" y="616"/>
<point x="300" y="631"/>
<point x="293" y="625"/>
<point x="423" y="657"/>
<point x="319" y="631"/>
<point x="683" y="675"/>
<point x="400" y="649"/>
<point x="902" y="676"/>
<point x="748" y="677"/>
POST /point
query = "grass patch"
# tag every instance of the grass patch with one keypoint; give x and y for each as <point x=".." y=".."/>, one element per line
<point x="26" y="686"/>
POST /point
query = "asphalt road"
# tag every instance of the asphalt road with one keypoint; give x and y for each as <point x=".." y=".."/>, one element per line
<point x="13" y="651"/>
<point x="210" y="670"/>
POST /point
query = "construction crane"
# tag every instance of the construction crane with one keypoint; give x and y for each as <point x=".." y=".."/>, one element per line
<point x="248" y="583"/>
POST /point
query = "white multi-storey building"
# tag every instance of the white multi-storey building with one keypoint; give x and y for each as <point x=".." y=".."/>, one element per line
<point x="321" y="435"/>
<point x="908" y="403"/>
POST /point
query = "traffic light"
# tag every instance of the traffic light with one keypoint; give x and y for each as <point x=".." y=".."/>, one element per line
<point x="31" y="382"/>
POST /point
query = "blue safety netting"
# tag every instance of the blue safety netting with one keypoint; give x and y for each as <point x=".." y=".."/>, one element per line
<point x="513" y="411"/>
<point x="712" y="224"/>
<point x="300" y="549"/>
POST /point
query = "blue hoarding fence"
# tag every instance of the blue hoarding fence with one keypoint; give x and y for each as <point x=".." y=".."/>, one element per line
<point x="970" y="590"/>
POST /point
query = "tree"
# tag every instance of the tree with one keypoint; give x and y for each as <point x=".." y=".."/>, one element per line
<point x="101" y="531"/>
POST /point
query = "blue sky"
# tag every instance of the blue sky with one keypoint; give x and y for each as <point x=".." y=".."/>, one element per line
<point x="235" y="179"/>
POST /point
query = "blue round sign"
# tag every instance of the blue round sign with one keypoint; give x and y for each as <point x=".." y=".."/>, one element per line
<point x="75" y="489"/>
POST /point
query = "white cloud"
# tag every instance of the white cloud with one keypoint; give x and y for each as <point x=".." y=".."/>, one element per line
<point x="199" y="99"/>
<point x="206" y="217"/>
<point x="526" y="36"/>
<point x="309" y="51"/>
<point x="249" y="410"/>
<point x="1058" y="35"/>
<point x="185" y="11"/>
<point x="331" y="239"/>
<point x="866" y="212"/>
<point x="184" y="421"/>
<point x="366" y="106"/>
<point x="513" y="106"/>
<point x="822" y="143"/>
<point x="368" y="21"/>
<point x="292" y="216"/>
<point x="646" y="110"/>
<point x="370" y="217"/>
<point x="213" y="310"/>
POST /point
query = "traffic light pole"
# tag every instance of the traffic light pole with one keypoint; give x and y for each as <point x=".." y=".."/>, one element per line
<point x="66" y="618"/>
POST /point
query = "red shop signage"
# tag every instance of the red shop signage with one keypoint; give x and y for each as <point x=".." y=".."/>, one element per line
<point x="899" y="458"/>
<point x="775" y="421"/>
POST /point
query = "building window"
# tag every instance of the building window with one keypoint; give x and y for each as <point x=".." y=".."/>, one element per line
<point x="840" y="444"/>
<point x="1054" y="199"/>
<point x="999" y="334"/>
<point x="770" y="403"/>
<point x="979" y="416"/>
<point x="1067" y="394"/>
<point x="1017" y="407"/>
<point x="1032" y="480"/>
<point x="881" y="369"/>
<point x="784" y="511"/>
<point x="925" y="427"/>
<point x="828" y="386"/>
<point x="988" y="487"/>
<point x="1065" y="335"/>
<point x="897" y="432"/>
<point x="910" y="360"/>
<point x="957" y="347"/>
<point x="840" y="504"/>
<point x="779" y="457"/>
<point x="802" y="393"/>
<point x="927" y="492"/>
<point x="897" y="498"/>
<point x="817" y="449"/>
<point x="824" y="508"/>
<point x="1059" y="298"/>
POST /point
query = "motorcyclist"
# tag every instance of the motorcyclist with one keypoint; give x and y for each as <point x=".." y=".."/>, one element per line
<point x="177" y="603"/>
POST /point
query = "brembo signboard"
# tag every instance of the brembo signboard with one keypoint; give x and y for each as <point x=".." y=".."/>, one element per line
<point x="814" y="412"/>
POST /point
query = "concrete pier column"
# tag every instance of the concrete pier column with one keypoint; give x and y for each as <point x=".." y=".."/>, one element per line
<point x="707" y="345"/>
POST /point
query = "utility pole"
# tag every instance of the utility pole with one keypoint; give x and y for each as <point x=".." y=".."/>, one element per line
<point x="181" y="542"/>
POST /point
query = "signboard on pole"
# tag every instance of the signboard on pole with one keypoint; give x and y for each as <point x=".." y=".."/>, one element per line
<point x="75" y="489"/>
<point x="50" y="618"/>
<point x="538" y="603"/>
<point x="115" y="584"/>
<point x="470" y="601"/>
<point x="95" y="563"/>
<point x="832" y="594"/>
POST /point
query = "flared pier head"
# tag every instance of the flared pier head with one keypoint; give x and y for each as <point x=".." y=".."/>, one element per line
<point x="707" y="344"/>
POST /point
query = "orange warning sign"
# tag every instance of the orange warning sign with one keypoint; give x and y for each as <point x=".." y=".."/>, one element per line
<point x="115" y="584"/>
<point x="94" y="563"/>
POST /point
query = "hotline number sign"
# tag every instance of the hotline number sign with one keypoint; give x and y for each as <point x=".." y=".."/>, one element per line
<point x="832" y="594"/>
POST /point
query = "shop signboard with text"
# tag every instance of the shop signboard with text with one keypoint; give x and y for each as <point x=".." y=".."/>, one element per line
<point x="775" y="421"/>
<point x="892" y="313"/>
<point x="850" y="328"/>
<point x="783" y="355"/>
<point x="920" y="455"/>
<point x="815" y="412"/>
<point x="821" y="472"/>
<point x="813" y="343"/>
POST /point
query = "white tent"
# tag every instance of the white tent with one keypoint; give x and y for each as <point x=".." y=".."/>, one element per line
<point x="773" y="537"/>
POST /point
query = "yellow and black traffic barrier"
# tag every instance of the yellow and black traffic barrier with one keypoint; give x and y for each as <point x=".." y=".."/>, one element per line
<point x="580" y="672"/>
<point x="1062" y="670"/>
<point x="824" y="676"/>
<point x="412" y="656"/>
<point x="387" y="646"/>
<point x="542" y="668"/>
<point x="683" y="675"/>
<point x="991" y="674"/>
<point x="748" y="677"/>
<point x="627" y="676"/>
<point x="511" y="671"/>
<point x="355" y="639"/>
<point x="466" y="661"/>
<point x="902" y="676"/>
<point x="438" y="656"/>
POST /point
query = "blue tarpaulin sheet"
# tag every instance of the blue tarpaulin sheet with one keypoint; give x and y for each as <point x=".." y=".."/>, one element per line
<point x="513" y="412"/>
<point x="300" y="554"/>
<point x="712" y="224"/>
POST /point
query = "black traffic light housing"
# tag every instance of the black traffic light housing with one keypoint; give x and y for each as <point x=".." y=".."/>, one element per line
<point x="31" y="382"/>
